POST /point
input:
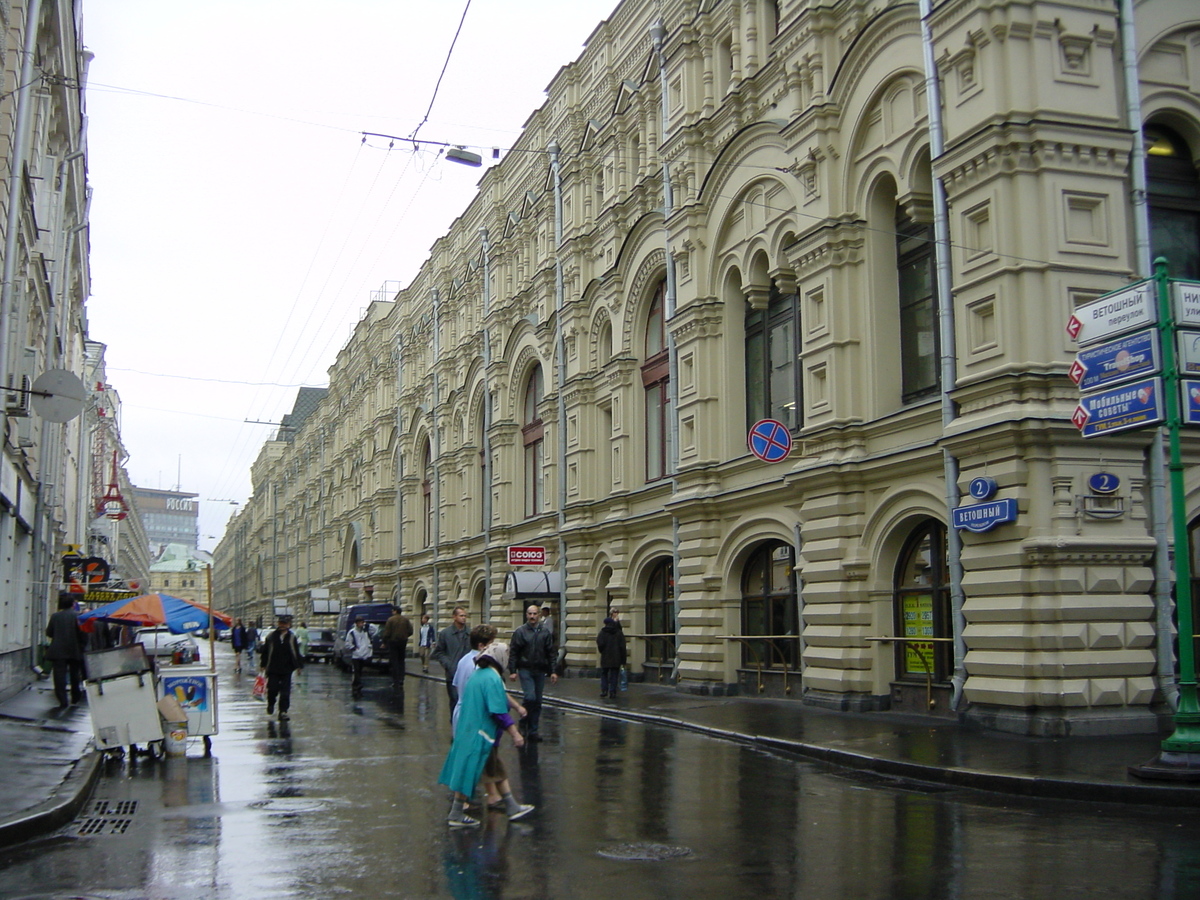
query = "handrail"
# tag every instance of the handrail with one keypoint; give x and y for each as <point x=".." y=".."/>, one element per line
<point x="772" y="638"/>
<point x="895" y="639"/>
<point x="650" y="636"/>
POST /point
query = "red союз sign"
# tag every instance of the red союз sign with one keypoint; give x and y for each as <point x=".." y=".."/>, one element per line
<point x="526" y="556"/>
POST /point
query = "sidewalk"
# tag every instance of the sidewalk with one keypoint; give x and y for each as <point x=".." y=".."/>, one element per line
<point x="49" y="764"/>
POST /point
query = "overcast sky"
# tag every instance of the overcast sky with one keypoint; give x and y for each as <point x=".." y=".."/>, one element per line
<point x="239" y="224"/>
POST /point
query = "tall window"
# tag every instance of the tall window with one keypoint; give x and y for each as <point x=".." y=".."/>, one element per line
<point x="922" y="605"/>
<point x="660" y="612"/>
<point x="773" y="361"/>
<point x="1174" y="188"/>
<point x="533" y="435"/>
<point x="427" y="523"/>
<point x="656" y="383"/>
<point x="769" y="607"/>
<point x="918" y="309"/>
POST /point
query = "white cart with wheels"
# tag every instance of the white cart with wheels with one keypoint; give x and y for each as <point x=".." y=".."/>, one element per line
<point x="195" y="687"/>
<point x="122" y="699"/>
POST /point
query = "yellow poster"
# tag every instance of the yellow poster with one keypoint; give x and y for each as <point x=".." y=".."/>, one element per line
<point x="917" y="610"/>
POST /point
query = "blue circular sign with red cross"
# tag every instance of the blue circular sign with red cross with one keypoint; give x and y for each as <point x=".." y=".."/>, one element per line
<point x="769" y="440"/>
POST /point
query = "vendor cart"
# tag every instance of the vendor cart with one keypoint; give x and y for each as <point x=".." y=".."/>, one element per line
<point x="122" y="699"/>
<point x="195" y="687"/>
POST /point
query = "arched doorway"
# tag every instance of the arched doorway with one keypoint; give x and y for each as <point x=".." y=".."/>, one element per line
<point x="770" y="607"/>
<point x="660" y="613"/>
<point x="921" y="606"/>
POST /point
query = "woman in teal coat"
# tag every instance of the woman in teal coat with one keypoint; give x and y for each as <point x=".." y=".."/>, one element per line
<point x="482" y="719"/>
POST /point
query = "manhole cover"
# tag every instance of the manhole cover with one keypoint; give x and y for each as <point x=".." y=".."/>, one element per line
<point x="645" y="852"/>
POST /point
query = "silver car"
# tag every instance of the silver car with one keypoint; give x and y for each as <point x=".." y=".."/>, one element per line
<point x="160" y="643"/>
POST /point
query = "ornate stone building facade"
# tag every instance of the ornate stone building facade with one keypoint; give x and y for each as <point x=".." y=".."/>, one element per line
<point x="579" y="361"/>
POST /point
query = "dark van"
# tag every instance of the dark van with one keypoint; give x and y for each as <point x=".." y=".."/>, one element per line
<point x="376" y="615"/>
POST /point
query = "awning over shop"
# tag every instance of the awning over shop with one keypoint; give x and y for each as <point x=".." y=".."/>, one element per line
<point x="531" y="585"/>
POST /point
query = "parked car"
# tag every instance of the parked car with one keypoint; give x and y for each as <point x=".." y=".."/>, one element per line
<point x="321" y="640"/>
<point x="161" y="644"/>
<point x="376" y="615"/>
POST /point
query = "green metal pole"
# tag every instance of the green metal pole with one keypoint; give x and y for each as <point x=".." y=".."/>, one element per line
<point x="1186" y="738"/>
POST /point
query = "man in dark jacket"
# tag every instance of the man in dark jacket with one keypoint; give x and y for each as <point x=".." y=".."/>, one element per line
<point x="237" y="640"/>
<point x="531" y="658"/>
<point x="396" y="632"/>
<point x="279" y="657"/>
<point x="452" y="645"/>
<point x="611" y="642"/>
<point x="66" y="650"/>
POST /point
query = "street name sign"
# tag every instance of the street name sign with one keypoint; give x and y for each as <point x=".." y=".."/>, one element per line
<point x="1185" y="298"/>
<point x="1123" y="408"/>
<point x="1114" y="314"/>
<point x="985" y="516"/>
<point x="1115" y="362"/>
<point x="526" y="556"/>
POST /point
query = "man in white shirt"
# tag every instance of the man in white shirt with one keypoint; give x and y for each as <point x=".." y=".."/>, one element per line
<point x="358" y="639"/>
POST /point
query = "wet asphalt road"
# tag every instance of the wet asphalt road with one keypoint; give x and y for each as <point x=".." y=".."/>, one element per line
<point x="342" y="801"/>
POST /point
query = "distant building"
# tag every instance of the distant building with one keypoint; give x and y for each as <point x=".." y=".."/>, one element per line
<point x="179" y="571"/>
<point x="170" y="517"/>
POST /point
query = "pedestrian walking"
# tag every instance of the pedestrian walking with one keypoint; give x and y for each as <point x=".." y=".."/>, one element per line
<point x="452" y="645"/>
<point x="302" y="639"/>
<point x="358" y="639"/>
<point x="480" y="637"/>
<point x="251" y="645"/>
<point x="425" y="641"/>
<point x="65" y="652"/>
<point x="280" y="657"/>
<point x="475" y="752"/>
<point x="532" y="659"/>
<point x="237" y="640"/>
<point x="611" y="643"/>
<point x="396" y="632"/>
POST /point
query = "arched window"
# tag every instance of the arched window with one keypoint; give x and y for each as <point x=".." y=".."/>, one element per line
<point x="656" y="383"/>
<point x="660" y="612"/>
<point x="922" y="605"/>
<point x="769" y="607"/>
<point x="773" y="361"/>
<point x="1174" y="188"/>
<point x="427" y="523"/>
<point x="533" y="436"/>
<point x="918" y="309"/>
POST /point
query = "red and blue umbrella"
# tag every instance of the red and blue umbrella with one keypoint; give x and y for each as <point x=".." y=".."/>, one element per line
<point x="180" y="616"/>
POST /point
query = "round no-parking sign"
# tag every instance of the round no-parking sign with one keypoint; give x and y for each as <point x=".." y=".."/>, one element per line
<point x="769" y="440"/>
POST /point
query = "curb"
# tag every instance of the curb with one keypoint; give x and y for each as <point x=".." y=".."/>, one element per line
<point x="57" y="811"/>
<point x="971" y="779"/>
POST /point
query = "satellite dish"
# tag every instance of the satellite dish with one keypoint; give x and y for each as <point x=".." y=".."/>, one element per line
<point x="58" y="395"/>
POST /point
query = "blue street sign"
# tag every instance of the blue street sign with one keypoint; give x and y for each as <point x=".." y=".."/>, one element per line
<point x="1116" y="362"/>
<point x="1123" y="408"/>
<point x="1103" y="483"/>
<point x="1189" y="388"/>
<point x="985" y="516"/>
<point x="769" y="440"/>
<point x="983" y="488"/>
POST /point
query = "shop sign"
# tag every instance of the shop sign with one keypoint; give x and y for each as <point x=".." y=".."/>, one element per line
<point x="1120" y="409"/>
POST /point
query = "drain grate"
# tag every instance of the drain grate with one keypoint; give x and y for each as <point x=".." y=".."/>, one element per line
<point x="644" y="852"/>
<point x="114" y="808"/>
<point x="103" y="826"/>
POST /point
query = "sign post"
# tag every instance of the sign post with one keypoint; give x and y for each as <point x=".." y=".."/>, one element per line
<point x="1179" y="759"/>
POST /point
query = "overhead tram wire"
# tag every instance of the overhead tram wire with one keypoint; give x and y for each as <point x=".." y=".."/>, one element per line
<point x="445" y="65"/>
